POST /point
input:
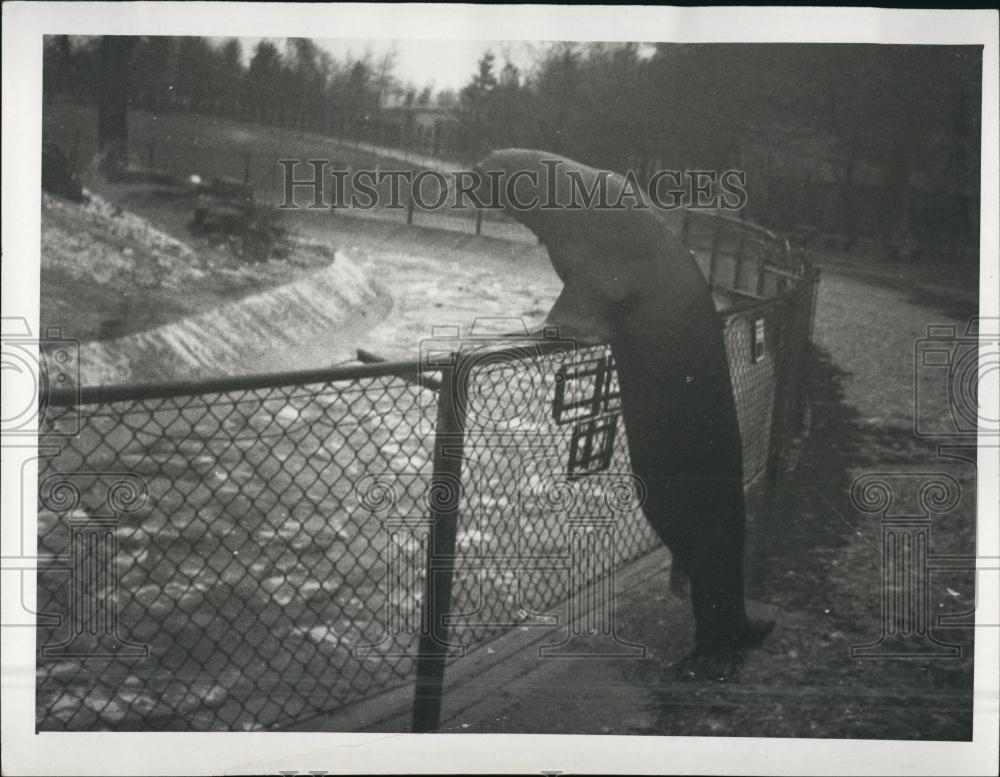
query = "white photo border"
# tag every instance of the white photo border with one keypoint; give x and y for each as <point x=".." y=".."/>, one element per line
<point x="26" y="752"/>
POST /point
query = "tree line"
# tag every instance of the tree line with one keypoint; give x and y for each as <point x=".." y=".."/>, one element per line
<point x="291" y="83"/>
<point x="864" y="139"/>
<point x="861" y="139"/>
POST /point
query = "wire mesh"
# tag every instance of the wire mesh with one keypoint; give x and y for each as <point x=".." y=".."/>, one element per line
<point x="250" y="567"/>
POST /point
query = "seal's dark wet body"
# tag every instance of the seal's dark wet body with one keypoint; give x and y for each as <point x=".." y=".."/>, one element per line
<point x="684" y="444"/>
<point x="625" y="272"/>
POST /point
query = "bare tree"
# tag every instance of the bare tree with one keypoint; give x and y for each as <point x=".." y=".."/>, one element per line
<point x="113" y="98"/>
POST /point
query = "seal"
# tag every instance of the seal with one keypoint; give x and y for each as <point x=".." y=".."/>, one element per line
<point x="629" y="281"/>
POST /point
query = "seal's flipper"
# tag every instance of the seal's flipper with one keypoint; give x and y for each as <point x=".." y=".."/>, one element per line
<point x="573" y="314"/>
<point x="604" y="277"/>
<point x="721" y="661"/>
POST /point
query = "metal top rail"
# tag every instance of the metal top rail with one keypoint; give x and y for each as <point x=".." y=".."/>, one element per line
<point x="501" y="347"/>
<point x="749" y="226"/>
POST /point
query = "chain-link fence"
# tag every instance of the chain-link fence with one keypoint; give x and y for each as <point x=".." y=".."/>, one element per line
<point x="247" y="553"/>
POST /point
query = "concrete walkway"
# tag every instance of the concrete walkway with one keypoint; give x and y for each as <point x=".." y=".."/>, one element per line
<point x="508" y="686"/>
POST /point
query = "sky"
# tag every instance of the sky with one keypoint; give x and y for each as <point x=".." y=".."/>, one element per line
<point x="445" y="64"/>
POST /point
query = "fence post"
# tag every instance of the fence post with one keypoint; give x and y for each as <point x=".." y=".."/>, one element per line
<point x="246" y="168"/>
<point x="152" y="154"/>
<point x="738" y="270"/>
<point x="479" y="221"/>
<point x="444" y="497"/>
<point x="715" y="252"/>
<point x="813" y="275"/>
<point x="409" y="210"/>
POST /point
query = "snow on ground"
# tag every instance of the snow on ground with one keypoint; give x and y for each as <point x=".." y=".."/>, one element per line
<point x="148" y="301"/>
<point x="107" y="243"/>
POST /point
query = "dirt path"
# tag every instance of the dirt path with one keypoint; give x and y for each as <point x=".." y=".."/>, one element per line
<point x="818" y="569"/>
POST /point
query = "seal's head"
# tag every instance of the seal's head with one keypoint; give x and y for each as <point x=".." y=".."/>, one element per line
<point x="558" y="198"/>
<point x="515" y="179"/>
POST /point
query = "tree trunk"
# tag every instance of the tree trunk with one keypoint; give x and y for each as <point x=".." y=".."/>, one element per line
<point x="848" y="207"/>
<point x="901" y="242"/>
<point x="112" y="108"/>
<point x="55" y="83"/>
